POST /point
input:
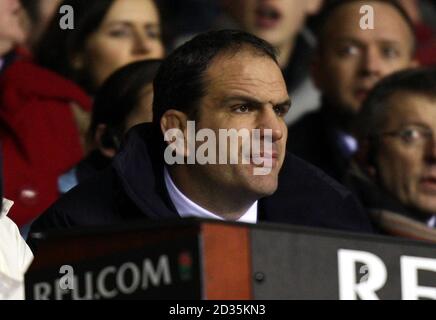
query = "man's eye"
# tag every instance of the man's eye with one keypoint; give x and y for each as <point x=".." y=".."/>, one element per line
<point x="348" y="51"/>
<point x="281" y="111"/>
<point x="390" y="52"/>
<point x="242" y="109"/>
<point x="410" y="135"/>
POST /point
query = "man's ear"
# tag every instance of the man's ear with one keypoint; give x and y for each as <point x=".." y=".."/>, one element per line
<point x="99" y="137"/>
<point x="175" y="120"/>
<point x="313" y="6"/>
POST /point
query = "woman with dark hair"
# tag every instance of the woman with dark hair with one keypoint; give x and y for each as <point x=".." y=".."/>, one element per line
<point x="107" y="35"/>
<point x="44" y="109"/>
<point x="123" y="101"/>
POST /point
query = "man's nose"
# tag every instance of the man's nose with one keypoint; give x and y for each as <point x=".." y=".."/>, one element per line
<point x="430" y="151"/>
<point x="372" y="63"/>
<point x="271" y="124"/>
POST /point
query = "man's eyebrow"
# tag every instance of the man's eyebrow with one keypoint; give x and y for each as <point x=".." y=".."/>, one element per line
<point x="348" y="40"/>
<point x="409" y="123"/>
<point x="354" y="41"/>
<point x="244" y="98"/>
<point x="287" y="102"/>
<point x="389" y="42"/>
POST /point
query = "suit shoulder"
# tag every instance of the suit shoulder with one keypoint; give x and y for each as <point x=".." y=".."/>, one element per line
<point x="311" y="177"/>
<point x="307" y="196"/>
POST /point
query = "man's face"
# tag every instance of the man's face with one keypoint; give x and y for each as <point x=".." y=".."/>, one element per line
<point x="276" y="21"/>
<point x="245" y="91"/>
<point x="11" y="31"/>
<point x="352" y="60"/>
<point x="407" y="167"/>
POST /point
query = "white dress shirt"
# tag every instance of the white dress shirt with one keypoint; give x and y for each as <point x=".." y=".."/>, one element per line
<point x="15" y="257"/>
<point x="188" y="209"/>
<point x="432" y="222"/>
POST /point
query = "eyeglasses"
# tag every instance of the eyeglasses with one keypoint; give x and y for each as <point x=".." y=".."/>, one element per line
<point x="412" y="136"/>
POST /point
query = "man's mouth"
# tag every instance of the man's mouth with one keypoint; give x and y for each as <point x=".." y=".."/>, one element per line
<point x="267" y="16"/>
<point x="361" y="94"/>
<point x="428" y="184"/>
<point x="265" y="160"/>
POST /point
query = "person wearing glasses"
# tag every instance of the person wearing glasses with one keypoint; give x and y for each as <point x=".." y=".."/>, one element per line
<point x="348" y="63"/>
<point x="396" y="180"/>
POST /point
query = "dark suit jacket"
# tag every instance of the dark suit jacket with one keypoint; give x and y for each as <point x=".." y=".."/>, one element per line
<point x="133" y="188"/>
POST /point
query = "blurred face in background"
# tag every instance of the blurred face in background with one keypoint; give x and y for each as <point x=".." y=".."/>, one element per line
<point x="276" y="21"/>
<point x="11" y="32"/>
<point x="406" y="153"/>
<point x="130" y="32"/>
<point x="351" y="60"/>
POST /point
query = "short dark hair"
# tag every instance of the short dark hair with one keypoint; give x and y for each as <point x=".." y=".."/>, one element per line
<point x="180" y="82"/>
<point x="120" y="94"/>
<point x="331" y="6"/>
<point x="369" y="121"/>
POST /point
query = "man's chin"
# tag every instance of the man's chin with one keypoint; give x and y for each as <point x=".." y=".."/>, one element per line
<point x="272" y="36"/>
<point x="265" y="187"/>
<point x="427" y="207"/>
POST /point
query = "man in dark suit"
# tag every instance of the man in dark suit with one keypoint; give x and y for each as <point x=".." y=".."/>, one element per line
<point x="352" y="56"/>
<point x="396" y="173"/>
<point x="223" y="80"/>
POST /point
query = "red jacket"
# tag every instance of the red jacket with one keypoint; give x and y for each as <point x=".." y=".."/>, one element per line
<point x="38" y="134"/>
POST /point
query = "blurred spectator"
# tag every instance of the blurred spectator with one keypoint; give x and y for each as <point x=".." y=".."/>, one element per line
<point x="281" y="23"/>
<point x="11" y="31"/>
<point x="38" y="14"/>
<point x="44" y="111"/>
<point x="348" y="63"/>
<point x="124" y="100"/>
<point x="397" y="130"/>
<point x="106" y="37"/>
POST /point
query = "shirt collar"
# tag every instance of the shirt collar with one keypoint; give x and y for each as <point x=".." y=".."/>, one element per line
<point x="7" y="205"/>
<point x="187" y="208"/>
<point x="347" y="143"/>
<point x="432" y="222"/>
